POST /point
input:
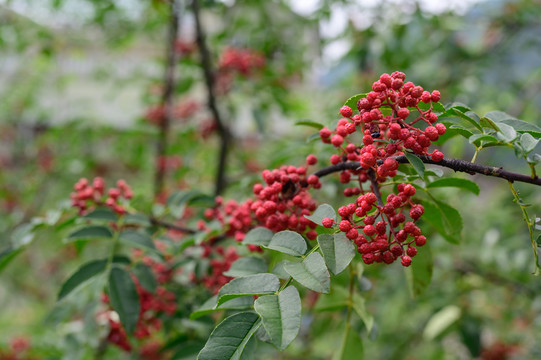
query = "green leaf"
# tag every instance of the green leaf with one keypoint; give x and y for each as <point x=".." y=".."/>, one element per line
<point x="360" y="309"/>
<point x="456" y="182"/>
<point x="259" y="236"/>
<point x="523" y="126"/>
<point x="146" y="277"/>
<point x="417" y="164"/>
<point x="458" y="106"/>
<point x="538" y="241"/>
<point x="258" y="284"/>
<point x="138" y="239"/>
<point x="498" y="116"/>
<point x="352" y="101"/>
<point x="351" y="346"/>
<point x="441" y="321"/>
<point x="90" y="232"/>
<point x="489" y="123"/>
<point x="311" y="273"/>
<point x="247" y="266"/>
<point x="434" y="216"/>
<point x="338" y="251"/>
<point x="281" y="316"/>
<point x="81" y="276"/>
<point x="336" y="299"/>
<point x="528" y="142"/>
<point x="323" y="211"/>
<point x="188" y="350"/>
<point x="310" y="123"/>
<point x="463" y="115"/>
<point x="506" y="133"/>
<point x="461" y="130"/>
<point x="228" y="340"/>
<point x="124" y="298"/>
<point x="288" y="242"/>
<point x="210" y="306"/>
<point x="452" y="221"/>
<point x="105" y="214"/>
<point x="478" y="138"/>
<point x="419" y="274"/>
<point x="8" y="255"/>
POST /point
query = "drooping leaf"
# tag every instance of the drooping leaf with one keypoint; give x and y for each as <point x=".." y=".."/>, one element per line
<point x="338" y="251"/>
<point x="257" y="284"/>
<point x="311" y="273"/>
<point x="90" y="232"/>
<point x="434" y="216"/>
<point x="351" y="346"/>
<point x="247" y="266"/>
<point x="8" y="255"/>
<point x="281" y="315"/>
<point x="360" y="309"/>
<point x="259" y="236"/>
<point x="288" y="242"/>
<point x="417" y="164"/>
<point x="210" y="306"/>
<point x="124" y="298"/>
<point x="463" y="115"/>
<point x="477" y="139"/>
<point x="419" y="273"/>
<point x="228" y="340"/>
<point x="138" y="239"/>
<point x="452" y="221"/>
<point x="498" y="116"/>
<point x="323" y="211"/>
<point x="461" y="130"/>
<point x="456" y="182"/>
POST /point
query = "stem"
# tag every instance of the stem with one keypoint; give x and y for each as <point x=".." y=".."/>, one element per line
<point x="454" y="164"/>
<point x="532" y="168"/>
<point x="351" y="289"/>
<point x="284" y="285"/>
<point x="537" y="271"/>
<point x="477" y="149"/>
<point x="208" y="73"/>
<point x="375" y="186"/>
<point x="167" y="100"/>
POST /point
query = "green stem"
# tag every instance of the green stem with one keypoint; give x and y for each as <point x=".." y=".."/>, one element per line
<point x="532" y="168"/>
<point x="350" y="296"/>
<point x="114" y="247"/>
<point x="314" y="249"/>
<point x="284" y="285"/>
<point x="477" y="149"/>
<point x="537" y="271"/>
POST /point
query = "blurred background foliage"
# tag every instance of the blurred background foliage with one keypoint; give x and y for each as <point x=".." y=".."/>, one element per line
<point x="79" y="80"/>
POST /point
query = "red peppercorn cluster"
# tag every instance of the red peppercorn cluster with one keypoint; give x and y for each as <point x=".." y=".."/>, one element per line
<point x="182" y="111"/>
<point x="243" y="61"/>
<point x="87" y="194"/>
<point x="153" y="304"/>
<point x="380" y="231"/>
<point x="386" y="126"/>
<point x="281" y="203"/>
<point x="18" y="349"/>
<point x="220" y="261"/>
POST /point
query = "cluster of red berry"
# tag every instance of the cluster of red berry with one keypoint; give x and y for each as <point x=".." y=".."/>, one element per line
<point x="220" y="261"/>
<point x="282" y="201"/>
<point x="382" y="241"/>
<point x="87" y="194"/>
<point x="181" y="111"/>
<point x="386" y="125"/>
<point x="160" y="301"/>
<point x="18" y="349"/>
<point x="243" y="61"/>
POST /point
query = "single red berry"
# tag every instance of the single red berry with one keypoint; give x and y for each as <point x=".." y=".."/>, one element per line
<point x="437" y="156"/>
<point x="337" y="140"/>
<point x="312" y="180"/>
<point x="411" y="251"/>
<point x="325" y="133"/>
<point x="436" y="96"/>
<point x="327" y="222"/>
<point x="312" y="235"/>
<point x="420" y="240"/>
<point x="406" y="261"/>
<point x="403" y="113"/>
<point x="311" y="159"/>
<point x="441" y="128"/>
<point x="344" y="226"/>
<point x="346" y="111"/>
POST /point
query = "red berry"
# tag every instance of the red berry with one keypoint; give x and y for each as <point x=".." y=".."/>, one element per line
<point x="325" y="133"/>
<point x="327" y="222"/>
<point x="411" y="251"/>
<point x="344" y="226"/>
<point x="436" y="96"/>
<point x="437" y="156"/>
<point x="406" y="261"/>
<point x="311" y="159"/>
<point x="337" y="140"/>
<point x="346" y="111"/>
<point x="403" y="113"/>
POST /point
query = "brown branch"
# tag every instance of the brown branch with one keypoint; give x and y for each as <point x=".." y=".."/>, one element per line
<point x="454" y="164"/>
<point x="375" y="186"/>
<point x="223" y="130"/>
<point x="167" y="99"/>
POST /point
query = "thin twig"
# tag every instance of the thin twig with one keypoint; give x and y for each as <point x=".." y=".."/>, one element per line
<point x="223" y="130"/>
<point x="161" y="223"/>
<point x="375" y="186"/>
<point x="167" y="99"/>
<point x="454" y="164"/>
